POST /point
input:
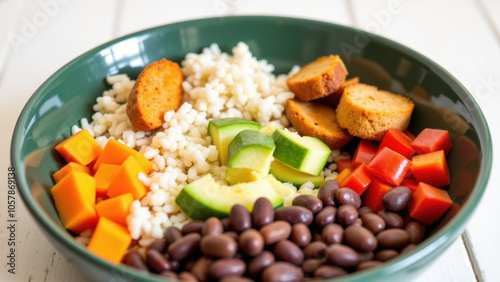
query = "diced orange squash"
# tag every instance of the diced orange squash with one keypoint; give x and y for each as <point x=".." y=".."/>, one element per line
<point x="116" y="209"/>
<point x="116" y="153"/>
<point x="109" y="241"/>
<point x="74" y="197"/>
<point x="80" y="148"/>
<point x="127" y="180"/>
<point x="58" y="175"/>
<point x="342" y="175"/>
<point x="104" y="175"/>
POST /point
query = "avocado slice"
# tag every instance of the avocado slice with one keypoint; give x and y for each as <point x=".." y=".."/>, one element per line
<point x="205" y="197"/>
<point x="287" y="174"/>
<point x="223" y="130"/>
<point x="303" y="153"/>
<point x="250" y="156"/>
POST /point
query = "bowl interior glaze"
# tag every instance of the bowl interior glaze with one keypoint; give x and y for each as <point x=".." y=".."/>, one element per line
<point x="441" y="102"/>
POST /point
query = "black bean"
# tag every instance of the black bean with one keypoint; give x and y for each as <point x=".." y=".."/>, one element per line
<point x="251" y="242"/>
<point x="368" y="264"/>
<point x="301" y="234"/>
<point x="235" y="279"/>
<point x="192" y="227"/>
<point x="227" y="267"/>
<point x="315" y="249"/>
<point x="276" y="231"/>
<point x="201" y="268"/>
<point x="364" y="210"/>
<point x="329" y="271"/>
<point x="212" y="226"/>
<point x="134" y="259"/>
<point x="312" y="203"/>
<point x="326" y="192"/>
<point x="397" y="198"/>
<point x="347" y="214"/>
<point x="392" y="219"/>
<point x="258" y="263"/>
<point x="325" y="216"/>
<point x="157" y="261"/>
<point x="360" y="238"/>
<point x="294" y="214"/>
<point x="416" y="231"/>
<point x="347" y="196"/>
<point x="169" y="274"/>
<point x="171" y="234"/>
<point x="218" y="246"/>
<point x="366" y="256"/>
<point x="373" y="222"/>
<point x="282" y="271"/>
<point x="332" y="233"/>
<point x="183" y="247"/>
<point x="310" y="265"/>
<point x="158" y="245"/>
<point x="232" y="234"/>
<point x="408" y="248"/>
<point x="226" y="224"/>
<point x="263" y="212"/>
<point x="187" y="276"/>
<point x="288" y="251"/>
<point x="393" y="238"/>
<point x="239" y="218"/>
<point x="386" y="255"/>
<point x="342" y="256"/>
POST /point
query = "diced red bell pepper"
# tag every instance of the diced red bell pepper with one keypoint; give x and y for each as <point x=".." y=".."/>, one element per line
<point x="389" y="166"/>
<point x="373" y="195"/>
<point x="429" y="203"/>
<point x="409" y="135"/>
<point x="431" y="168"/>
<point x="410" y="183"/>
<point x="364" y="152"/>
<point x="409" y="175"/>
<point x="432" y="140"/>
<point x="343" y="164"/>
<point x="359" y="179"/>
<point x="397" y="141"/>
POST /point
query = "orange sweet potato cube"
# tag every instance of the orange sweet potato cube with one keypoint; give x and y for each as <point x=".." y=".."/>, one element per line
<point x="74" y="198"/>
<point x="127" y="180"/>
<point x="116" y="209"/>
<point x="109" y="241"/>
<point x="58" y="175"/>
<point x="104" y="175"/>
<point x="116" y="153"/>
<point x="80" y="148"/>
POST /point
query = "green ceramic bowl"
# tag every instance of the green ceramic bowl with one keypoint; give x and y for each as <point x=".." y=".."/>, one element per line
<point x="441" y="102"/>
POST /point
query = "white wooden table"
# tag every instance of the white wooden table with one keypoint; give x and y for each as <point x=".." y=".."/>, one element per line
<point x="39" y="36"/>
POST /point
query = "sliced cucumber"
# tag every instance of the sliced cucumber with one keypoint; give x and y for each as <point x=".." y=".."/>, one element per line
<point x="287" y="174"/>
<point x="250" y="155"/>
<point x="223" y="130"/>
<point x="268" y="129"/>
<point x="205" y="197"/>
<point x="303" y="153"/>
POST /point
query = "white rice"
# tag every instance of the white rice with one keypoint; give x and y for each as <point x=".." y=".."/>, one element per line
<point x="216" y="85"/>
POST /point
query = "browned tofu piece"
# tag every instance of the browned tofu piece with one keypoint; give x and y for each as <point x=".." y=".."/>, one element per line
<point x="369" y="113"/>
<point x="318" y="79"/>
<point x="158" y="89"/>
<point x="313" y="119"/>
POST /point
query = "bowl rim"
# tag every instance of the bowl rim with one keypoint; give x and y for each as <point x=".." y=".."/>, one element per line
<point x="440" y="240"/>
